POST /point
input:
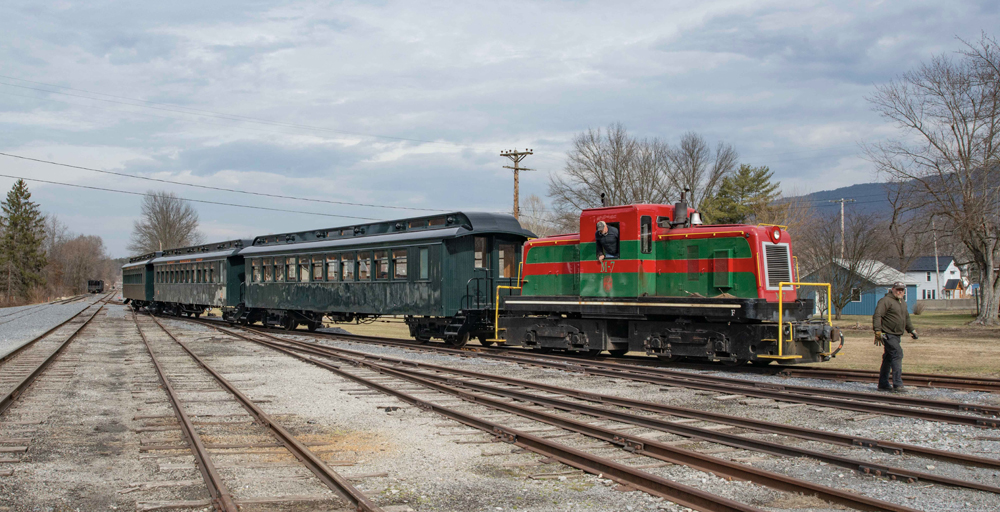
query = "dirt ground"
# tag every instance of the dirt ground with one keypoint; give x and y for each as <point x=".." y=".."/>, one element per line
<point x="946" y="345"/>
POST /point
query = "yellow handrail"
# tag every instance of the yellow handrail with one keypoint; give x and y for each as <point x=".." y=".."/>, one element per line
<point x="496" y="315"/>
<point x="781" y="304"/>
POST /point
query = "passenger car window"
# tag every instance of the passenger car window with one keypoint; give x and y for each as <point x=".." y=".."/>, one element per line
<point x="268" y="267"/>
<point x="331" y="267"/>
<point x="317" y="268"/>
<point x="424" y="263"/>
<point x="382" y="265"/>
<point x="290" y="269"/>
<point x="364" y="266"/>
<point x="482" y="252"/>
<point x="508" y="260"/>
<point x="279" y="270"/>
<point x="305" y="264"/>
<point x="399" y="264"/>
<point x="347" y="267"/>
<point x="256" y="270"/>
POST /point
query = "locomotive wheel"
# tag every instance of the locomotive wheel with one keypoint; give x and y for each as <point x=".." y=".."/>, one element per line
<point x="618" y="353"/>
<point x="484" y="341"/>
<point x="459" y="341"/>
<point x="312" y="326"/>
<point x="289" y="324"/>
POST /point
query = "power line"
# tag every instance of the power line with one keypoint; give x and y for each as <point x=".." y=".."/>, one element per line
<point x="180" y="109"/>
<point x="221" y="189"/>
<point x="186" y="199"/>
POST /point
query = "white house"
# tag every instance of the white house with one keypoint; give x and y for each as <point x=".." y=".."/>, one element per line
<point x="922" y="272"/>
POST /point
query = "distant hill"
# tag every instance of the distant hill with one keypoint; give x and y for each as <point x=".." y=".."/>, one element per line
<point x="868" y="197"/>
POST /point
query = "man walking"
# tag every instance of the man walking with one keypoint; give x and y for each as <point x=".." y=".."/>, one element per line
<point x="891" y="318"/>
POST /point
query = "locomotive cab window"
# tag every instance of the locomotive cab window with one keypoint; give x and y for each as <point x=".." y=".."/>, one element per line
<point x="399" y="264"/>
<point x="607" y="243"/>
<point x="508" y="260"/>
<point x="646" y="234"/>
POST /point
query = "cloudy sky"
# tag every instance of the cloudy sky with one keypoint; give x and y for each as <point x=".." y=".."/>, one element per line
<point x="408" y="104"/>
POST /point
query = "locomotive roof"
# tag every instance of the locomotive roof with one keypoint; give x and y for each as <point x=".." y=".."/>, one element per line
<point x="444" y="225"/>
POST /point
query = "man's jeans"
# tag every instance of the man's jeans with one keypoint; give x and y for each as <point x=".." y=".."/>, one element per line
<point x="892" y="359"/>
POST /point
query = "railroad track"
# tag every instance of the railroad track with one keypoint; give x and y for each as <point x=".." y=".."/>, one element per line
<point x="483" y="391"/>
<point x="183" y="374"/>
<point x="960" y="413"/>
<point x="20" y="367"/>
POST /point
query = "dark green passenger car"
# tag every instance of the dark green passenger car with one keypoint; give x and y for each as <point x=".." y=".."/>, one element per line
<point x="438" y="272"/>
<point x="137" y="280"/>
<point x="190" y="280"/>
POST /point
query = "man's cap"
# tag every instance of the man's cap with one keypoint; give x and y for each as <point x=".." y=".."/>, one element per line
<point x="601" y="224"/>
<point x="898" y="285"/>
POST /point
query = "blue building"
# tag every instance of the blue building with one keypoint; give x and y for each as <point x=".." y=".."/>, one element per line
<point x="874" y="278"/>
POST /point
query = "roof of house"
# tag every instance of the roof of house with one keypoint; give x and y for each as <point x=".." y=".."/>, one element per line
<point x="953" y="284"/>
<point x="924" y="264"/>
<point x="878" y="273"/>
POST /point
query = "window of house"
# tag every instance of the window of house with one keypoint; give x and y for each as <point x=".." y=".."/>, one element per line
<point x="317" y="268"/>
<point x="508" y="260"/>
<point x="928" y="277"/>
<point x="332" y="261"/>
<point x="425" y="267"/>
<point x="646" y="234"/>
<point x="399" y="264"/>
<point x="291" y="270"/>
<point x="381" y="264"/>
<point x="305" y="267"/>
<point x="347" y="267"/>
<point x="855" y="294"/>
<point x="364" y="266"/>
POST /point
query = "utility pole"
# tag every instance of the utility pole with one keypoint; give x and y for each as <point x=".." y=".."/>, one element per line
<point x="937" y="264"/>
<point x="516" y="157"/>
<point x="841" y="201"/>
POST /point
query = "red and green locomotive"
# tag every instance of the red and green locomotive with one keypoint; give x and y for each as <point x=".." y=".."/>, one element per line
<point x="676" y="288"/>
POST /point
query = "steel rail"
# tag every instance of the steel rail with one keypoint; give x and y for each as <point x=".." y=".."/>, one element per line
<point x="8" y="399"/>
<point x="18" y="350"/>
<point x="330" y="478"/>
<point x="803" y="390"/>
<point x="634" y="444"/>
<point x="861" y="402"/>
<point x="876" y="469"/>
<point x="222" y="499"/>
<point x="17" y="315"/>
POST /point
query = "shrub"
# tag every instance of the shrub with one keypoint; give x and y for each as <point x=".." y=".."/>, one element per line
<point x="919" y="308"/>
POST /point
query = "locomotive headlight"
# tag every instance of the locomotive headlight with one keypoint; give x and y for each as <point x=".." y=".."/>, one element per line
<point x="776" y="234"/>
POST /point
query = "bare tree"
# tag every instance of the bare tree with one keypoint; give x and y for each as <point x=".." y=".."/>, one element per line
<point x="795" y="213"/>
<point x="166" y="222"/>
<point x="535" y="218"/>
<point x="908" y="229"/>
<point x="819" y="254"/>
<point x="949" y="113"/>
<point x="694" y="166"/>
<point x="628" y="170"/>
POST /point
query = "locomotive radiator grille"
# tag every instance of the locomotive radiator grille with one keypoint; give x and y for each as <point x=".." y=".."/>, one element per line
<point x="777" y="264"/>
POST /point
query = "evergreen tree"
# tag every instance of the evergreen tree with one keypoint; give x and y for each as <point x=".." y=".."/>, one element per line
<point x="22" y="255"/>
<point x="742" y="196"/>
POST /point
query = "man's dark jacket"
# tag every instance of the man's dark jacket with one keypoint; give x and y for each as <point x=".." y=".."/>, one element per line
<point x="891" y="316"/>
<point x="607" y="244"/>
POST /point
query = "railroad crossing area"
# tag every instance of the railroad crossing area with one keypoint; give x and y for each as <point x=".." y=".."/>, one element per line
<point x="104" y="408"/>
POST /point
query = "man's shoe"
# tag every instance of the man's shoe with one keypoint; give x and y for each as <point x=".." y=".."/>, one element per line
<point x="899" y="389"/>
<point x="885" y="388"/>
